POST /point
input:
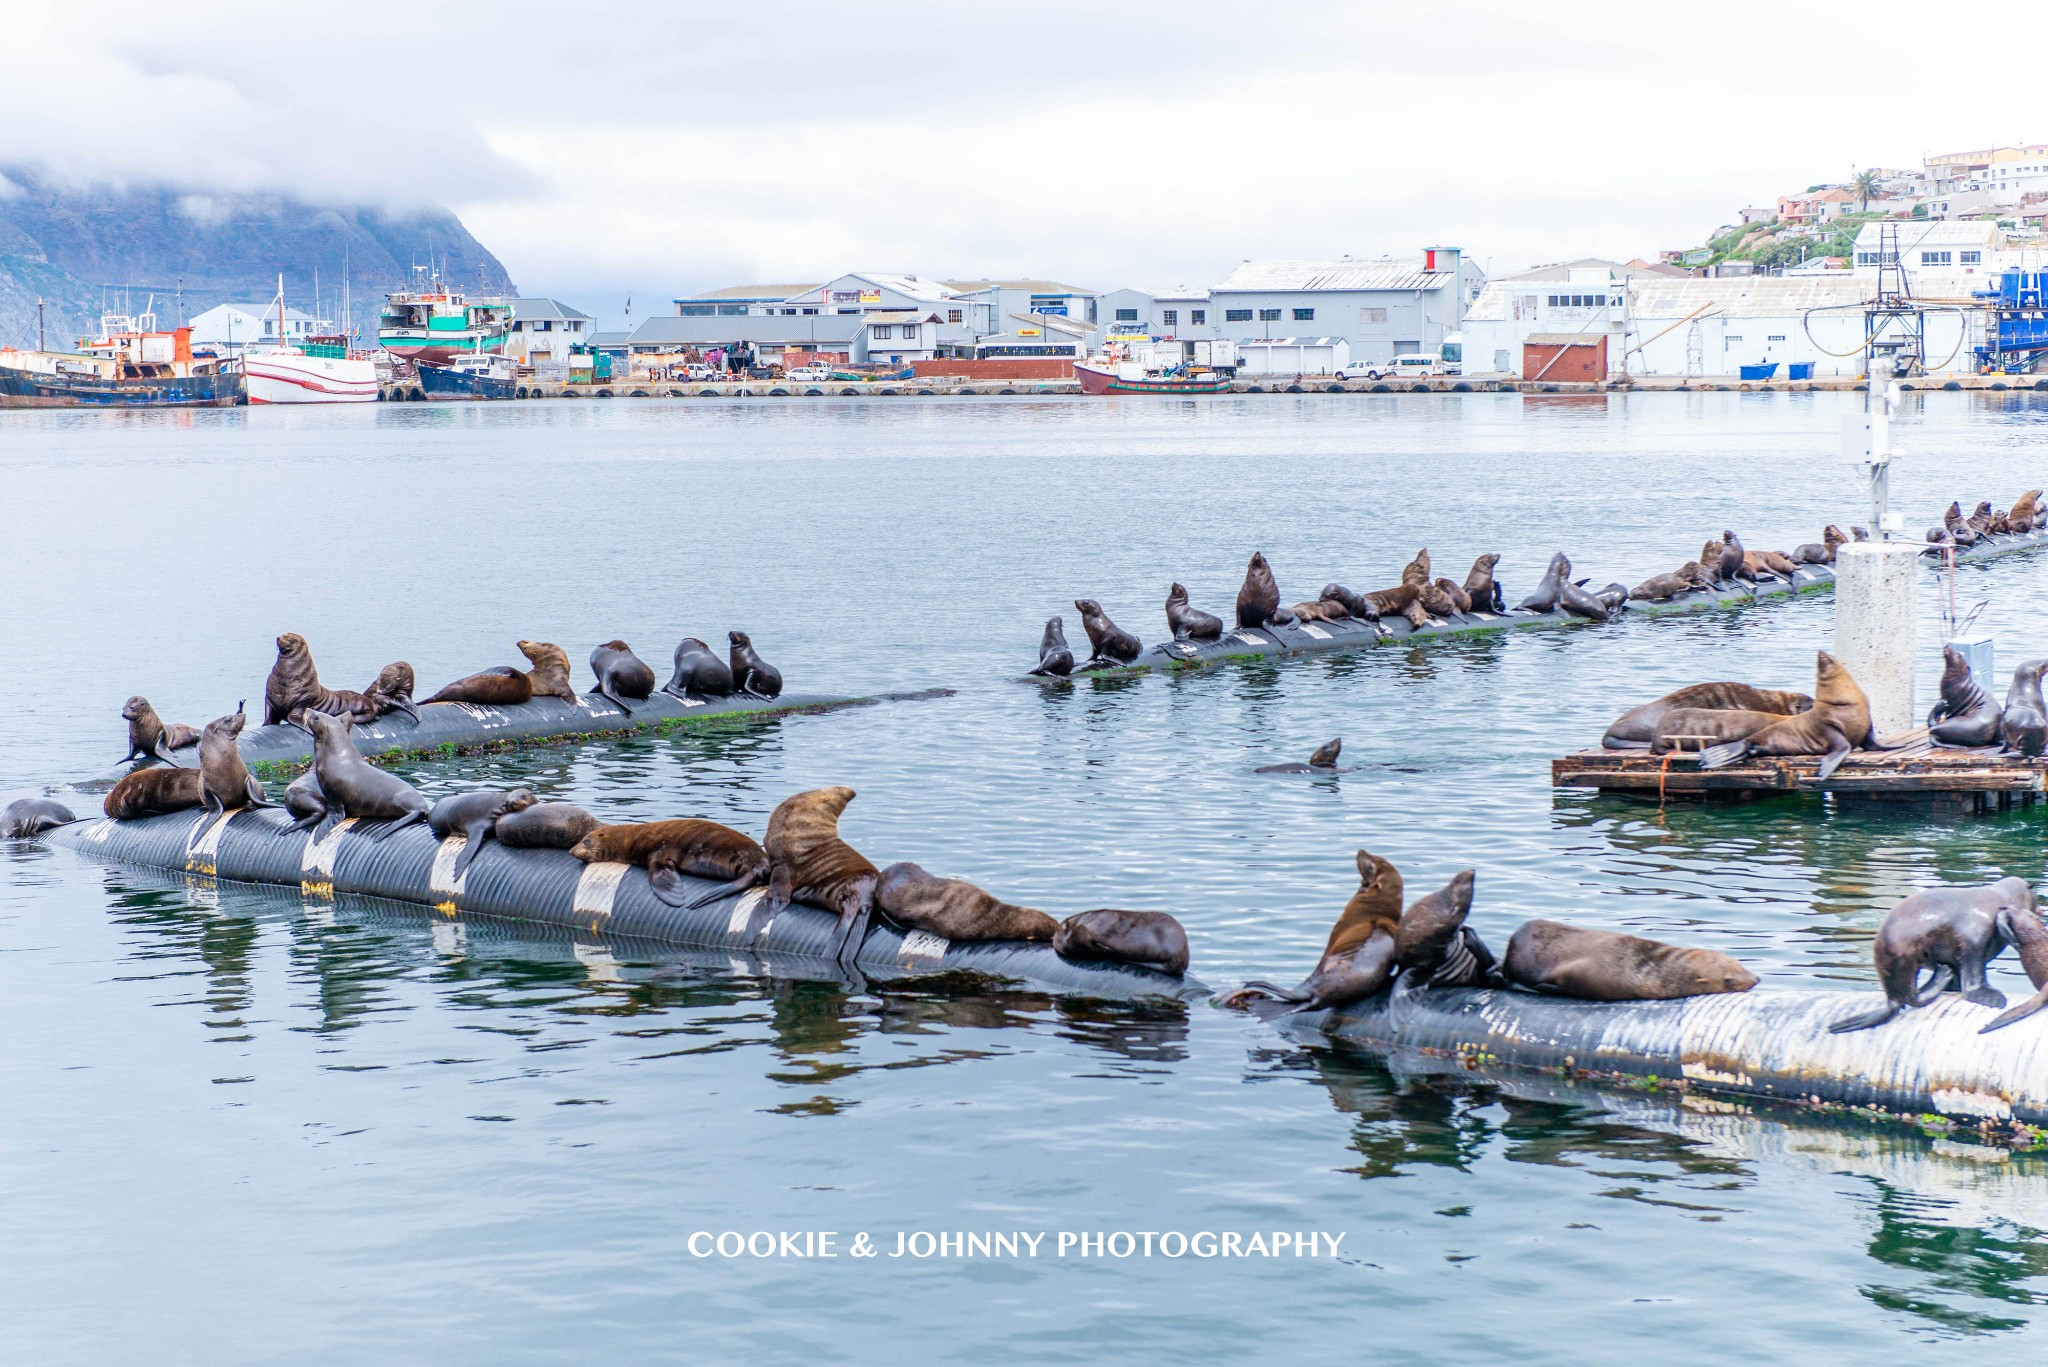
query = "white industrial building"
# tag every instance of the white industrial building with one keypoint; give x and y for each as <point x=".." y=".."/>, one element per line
<point x="543" y="330"/>
<point x="230" y="327"/>
<point x="833" y="318"/>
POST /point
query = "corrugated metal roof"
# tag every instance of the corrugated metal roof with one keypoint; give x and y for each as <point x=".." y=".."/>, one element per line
<point x="908" y="284"/>
<point x="1034" y="286"/>
<point x="1917" y="233"/>
<point x="1344" y="273"/>
<point x="759" y="293"/>
<point x="526" y="310"/>
<point x="1659" y="296"/>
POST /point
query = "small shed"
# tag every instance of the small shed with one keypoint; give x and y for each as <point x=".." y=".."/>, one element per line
<point x="1567" y="359"/>
<point x="1293" y="356"/>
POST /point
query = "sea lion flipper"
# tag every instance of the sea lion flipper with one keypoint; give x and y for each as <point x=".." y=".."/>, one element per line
<point x="474" y="836"/>
<point x="1866" y="1020"/>
<point x="1985" y="995"/>
<point x="740" y="884"/>
<point x="402" y="705"/>
<point x="666" y="885"/>
<point x="1721" y="756"/>
<point x="1937" y="984"/>
<point x="1838" y="750"/>
<point x="2020" y="1012"/>
<point x="161" y="751"/>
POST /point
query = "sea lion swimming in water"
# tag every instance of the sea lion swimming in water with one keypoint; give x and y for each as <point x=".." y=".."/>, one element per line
<point x="1482" y="592"/>
<point x="154" y="792"/>
<point x="228" y="784"/>
<point x="808" y="862"/>
<point x="1258" y="599"/>
<point x="1149" y="939"/>
<point x="150" y="736"/>
<point x="1548" y="589"/>
<point x="621" y="675"/>
<point x="352" y="786"/>
<point x="752" y="675"/>
<point x="1955" y="932"/>
<point x="1636" y="728"/>
<point x="544" y="826"/>
<point x="1055" y="657"/>
<point x="955" y="909"/>
<point x="1110" y="645"/>
<point x="473" y="816"/>
<point x="1607" y="966"/>
<point x="2025" y="719"/>
<point x="1965" y="717"/>
<point x="505" y="686"/>
<point x="670" y="849"/>
<point x="2023" y="929"/>
<point x="698" y="673"/>
<point x="1358" y="959"/>
<point x="27" y="816"/>
<point x="1323" y="761"/>
<point x="1187" y="622"/>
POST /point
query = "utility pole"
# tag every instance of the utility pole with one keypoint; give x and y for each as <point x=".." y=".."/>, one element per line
<point x="1876" y="582"/>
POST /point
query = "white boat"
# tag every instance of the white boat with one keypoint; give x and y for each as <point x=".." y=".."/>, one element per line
<point x="314" y="373"/>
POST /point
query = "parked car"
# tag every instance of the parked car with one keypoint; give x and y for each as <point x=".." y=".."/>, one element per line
<point x="808" y="374"/>
<point x="700" y="371"/>
<point x="1418" y="365"/>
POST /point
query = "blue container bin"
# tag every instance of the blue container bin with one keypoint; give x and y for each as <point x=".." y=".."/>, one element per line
<point x="1763" y="371"/>
<point x="1799" y="370"/>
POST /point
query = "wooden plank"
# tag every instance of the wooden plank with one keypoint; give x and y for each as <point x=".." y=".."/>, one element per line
<point x="1916" y="766"/>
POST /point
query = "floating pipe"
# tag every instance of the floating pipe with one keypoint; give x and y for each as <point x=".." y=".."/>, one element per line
<point x="1764" y="1044"/>
<point x="553" y="887"/>
<point x="1320" y="638"/>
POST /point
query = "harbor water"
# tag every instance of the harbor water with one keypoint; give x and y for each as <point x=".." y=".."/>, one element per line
<point x="239" y="1124"/>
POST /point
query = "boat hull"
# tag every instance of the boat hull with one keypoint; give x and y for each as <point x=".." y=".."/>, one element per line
<point x="274" y="378"/>
<point x="33" y="389"/>
<point x="440" y="382"/>
<point x="1095" y="381"/>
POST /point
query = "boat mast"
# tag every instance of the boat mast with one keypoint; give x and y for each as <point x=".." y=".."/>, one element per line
<point x="280" y="308"/>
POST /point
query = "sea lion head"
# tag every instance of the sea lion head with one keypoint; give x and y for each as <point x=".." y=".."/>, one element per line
<point x="741" y="639"/>
<point x="291" y="643"/>
<point x="134" y="707"/>
<point x="1177" y="594"/>
<point x="1416" y="572"/>
<point x="1325" y="756"/>
<point x="543" y="653"/>
<point x="1377" y="876"/>
<point x="394" y="679"/>
<point x="1257" y="564"/>
<point x="1712" y="971"/>
<point x="1954" y="669"/>
<point x="592" y="848"/>
<point x="1055" y="634"/>
<point x="1835" y="689"/>
<point x="227" y="727"/>
<point x="619" y="646"/>
<point x="1728" y="537"/>
<point x="1831" y="536"/>
<point x="692" y="643"/>
<point x="1486" y="562"/>
<point x="518" y="800"/>
<point x="326" y="726"/>
<point x="1088" y="608"/>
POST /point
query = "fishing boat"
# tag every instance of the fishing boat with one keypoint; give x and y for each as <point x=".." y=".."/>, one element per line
<point x="1103" y="376"/>
<point x="437" y="325"/>
<point x="319" y="370"/>
<point x="472" y="377"/>
<point x="131" y="364"/>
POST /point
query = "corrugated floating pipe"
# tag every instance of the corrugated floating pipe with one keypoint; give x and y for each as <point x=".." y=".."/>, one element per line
<point x="553" y="888"/>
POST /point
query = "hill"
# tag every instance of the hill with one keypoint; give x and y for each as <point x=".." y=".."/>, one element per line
<point x="85" y="250"/>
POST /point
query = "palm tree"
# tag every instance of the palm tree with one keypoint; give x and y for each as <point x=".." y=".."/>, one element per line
<point x="1865" y="185"/>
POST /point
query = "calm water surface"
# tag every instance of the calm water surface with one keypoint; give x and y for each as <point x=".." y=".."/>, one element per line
<point x="240" y="1126"/>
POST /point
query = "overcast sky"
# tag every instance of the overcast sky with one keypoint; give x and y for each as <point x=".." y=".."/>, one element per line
<point x="688" y="146"/>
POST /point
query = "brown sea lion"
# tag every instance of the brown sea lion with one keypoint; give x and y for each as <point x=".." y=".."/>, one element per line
<point x="1982" y="519"/>
<point x="550" y="672"/>
<point x="2023" y="929"/>
<point x="1965" y="717"/>
<point x="1358" y="959"/>
<point x="1699" y="729"/>
<point x="1953" y="931"/>
<point x="1321" y="610"/>
<point x="1446" y="598"/>
<point x="1149" y="939"/>
<point x="1482" y="593"/>
<point x="1359" y="605"/>
<point x="621" y="675"/>
<point x="670" y="849"/>
<point x="472" y="815"/>
<point x="1055" y="657"/>
<point x="392" y="692"/>
<point x="1636" y="728"/>
<point x="1660" y="588"/>
<point x="153" y="792"/>
<point x="228" y="782"/>
<point x="544" y="826"/>
<point x="1822" y="553"/>
<point x="701" y="674"/>
<point x="150" y="736"/>
<point x="1958" y="527"/>
<point x="1258" y="599"/>
<point x="306" y="802"/>
<point x="1607" y="966"/>
<point x="294" y="682"/>
<point x="2023" y="513"/>
<point x="1433" y="947"/>
<point x="1403" y="600"/>
<point x="955" y="909"/>
<point x="1109" y="644"/>
<point x="1838" y="722"/>
<point x="1770" y="562"/>
<point x="28" y="816"/>
<point x="1323" y="761"/>
<point x="352" y="786"/>
<point x="1187" y="622"/>
<point x="808" y="862"/>
<point x="1710" y="564"/>
<point x="1733" y="564"/>
<point x="751" y="675"/>
<point x="505" y="686"/>
<point x="2025" y="718"/>
<point x="1545" y="598"/>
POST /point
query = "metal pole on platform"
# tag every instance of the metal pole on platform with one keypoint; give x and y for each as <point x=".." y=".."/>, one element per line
<point x="1876" y="582"/>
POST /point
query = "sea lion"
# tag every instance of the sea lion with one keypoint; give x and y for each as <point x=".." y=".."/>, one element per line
<point x="1965" y="717"/>
<point x="304" y="800"/>
<point x="1701" y="729"/>
<point x="1359" y="605"/>
<point x="550" y="672"/>
<point x="1838" y="722"/>
<point x="1187" y="622"/>
<point x="473" y="816"/>
<point x="698" y="673"/>
<point x="153" y="792"/>
<point x="1358" y="959"/>
<point x="294" y="682"/>
<point x="1822" y="553"/>
<point x="1149" y="939"/>
<point x="2024" y="511"/>
<point x="27" y="816"/>
<point x="1983" y="518"/>
<point x="150" y="736"/>
<point x="1733" y="563"/>
<point x="1770" y="562"/>
<point x="1323" y="761"/>
<point x="2023" y="929"/>
<point x="352" y="786"/>
<point x="1635" y="728"/>
<point x="505" y="686"/>
<point x="2025" y="719"/>
<point x="1549" y="588"/>
<point x="1445" y="598"/>
<point x="1660" y="588"/>
<point x="391" y="692"/>
<point x="1109" y="644"/>
<point x="1710" y="564"/>
<point x="621" y="675"/>
<point x="1055" y="657"/>
<point x="1607" y="966"/>
<point x="751" y="675"/>
<point x="1482" y="591"/>
<point x="1321" y="610"/>
<point x="1858" y="534"/>
<point x="1955" y="932"/>
<point x="1258" y="599"/>
<point x="1433" y="947"/>
<point x="1574" y="599"/>
<point x="1614" y="597"/>
<point x="669" y="849"/>
<point x="228" y="783"/>
<point x="955" y="909"/>
<point x="544" y="826"/>
<point x="1958" y="528"/>
<point x="808" y="862"/>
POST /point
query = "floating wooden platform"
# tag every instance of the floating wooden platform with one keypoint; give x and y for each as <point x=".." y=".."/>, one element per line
<point x="1919" y="772"/>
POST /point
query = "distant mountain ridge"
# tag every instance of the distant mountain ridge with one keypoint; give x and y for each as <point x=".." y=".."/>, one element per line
<point x="105" y="248"/>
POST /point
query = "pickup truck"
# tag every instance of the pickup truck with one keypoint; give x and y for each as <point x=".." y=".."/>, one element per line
<point x="808" y="374"/>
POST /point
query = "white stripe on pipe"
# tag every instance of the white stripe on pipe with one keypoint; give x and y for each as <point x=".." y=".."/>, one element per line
<point x="1250" y="638"/>
<point x="743" y="910"/>
<point x="316" y="864"/>
<point x="1315" y="631"/>
<point x="596" y="890"/>
<point x="441" y="879"/>
<point x="922" y="944"/>
<point x="98" y="831"/>
<point x="202" y="847"/>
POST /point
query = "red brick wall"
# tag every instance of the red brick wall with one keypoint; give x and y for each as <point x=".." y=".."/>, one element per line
<point x="1582" y="362"/>
<point x="1001" y="368"/>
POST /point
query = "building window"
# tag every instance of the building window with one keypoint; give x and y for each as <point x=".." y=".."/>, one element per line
<point x="1970" y="258"/>
<point x="1198" y="316"/>
<point x="884" y="332"/>
<point x="952" y="315"/>
<point x="1170" y="317"/>
<point x="1775" y="337"/>
<point x="1304" y="315"/>
<point x="542" y="325"/>
<point x="1237" y="315"/>
<point x="1730" y="343"/>
<point x="694" y="310"/>
<point x="1269" y="315"/>
<point x="732" y="310"/>
<point x="1127" y="315"/>
<point x="1934" y="258"/>
<point x="810" y="311"/>
<point x="844" y="311"/>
